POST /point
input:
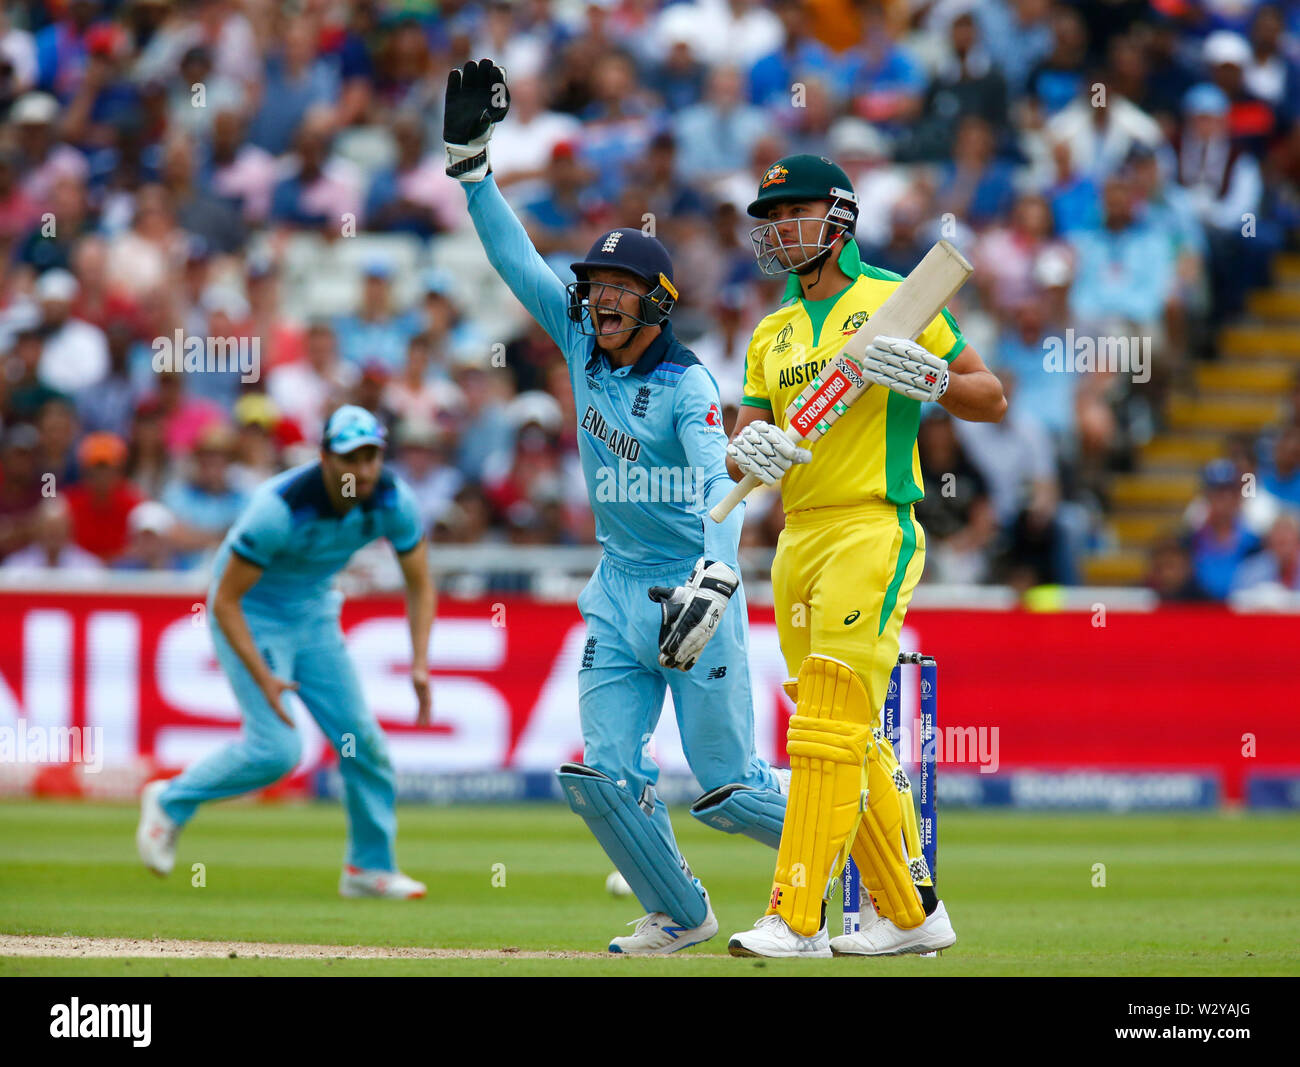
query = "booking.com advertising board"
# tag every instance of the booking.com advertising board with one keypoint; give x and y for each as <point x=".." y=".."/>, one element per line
<point x="1175" y="708"/>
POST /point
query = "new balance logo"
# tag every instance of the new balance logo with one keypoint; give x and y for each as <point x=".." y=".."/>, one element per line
<point x="718" y="672"/>
<point x="611" y="242"/>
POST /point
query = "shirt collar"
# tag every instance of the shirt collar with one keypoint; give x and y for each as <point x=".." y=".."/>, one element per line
<point x="849" y="261"/>
<point x="650" y="358"/>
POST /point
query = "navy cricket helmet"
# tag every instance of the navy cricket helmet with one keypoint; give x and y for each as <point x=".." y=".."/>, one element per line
<point x="637" y="253"/>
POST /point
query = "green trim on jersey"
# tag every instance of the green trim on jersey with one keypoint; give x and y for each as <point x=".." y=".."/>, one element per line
<point x="756" y="402"/>
<point x="817" y="310"/>
<point x="902" y="421"/>
<point x="905" y="553"/>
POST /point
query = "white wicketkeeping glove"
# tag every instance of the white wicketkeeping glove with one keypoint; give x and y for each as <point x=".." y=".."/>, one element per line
<point x="764" y="451"/>
<point x="905" y="367"/>
<point x="691" y="612"/>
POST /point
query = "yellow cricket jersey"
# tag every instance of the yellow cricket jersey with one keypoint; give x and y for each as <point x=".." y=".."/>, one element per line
<point x="870" y="453"/>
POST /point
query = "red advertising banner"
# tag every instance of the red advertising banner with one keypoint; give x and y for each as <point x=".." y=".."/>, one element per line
<point x="1197" y="690"/>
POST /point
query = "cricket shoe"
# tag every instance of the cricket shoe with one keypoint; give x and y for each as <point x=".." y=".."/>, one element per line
<point x="392" y="885"/>
<point x="155" y="837"/>
<point x="880" y="937"/>
<point x="772" y="937"/>
<point x="658" y="934"/>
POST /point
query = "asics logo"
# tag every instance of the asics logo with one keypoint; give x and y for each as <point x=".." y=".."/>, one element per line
<point x="851" y="618"/>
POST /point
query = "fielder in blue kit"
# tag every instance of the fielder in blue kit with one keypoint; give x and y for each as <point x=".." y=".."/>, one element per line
<point x="664" y="610"/>
<point x="274" y="617"/>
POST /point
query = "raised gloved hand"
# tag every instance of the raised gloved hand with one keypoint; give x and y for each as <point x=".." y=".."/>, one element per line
<point x="905" y="367"/>
<point x="691" y="612"/>
<point x="477" y="99"/>
<point x="764" y="451"/>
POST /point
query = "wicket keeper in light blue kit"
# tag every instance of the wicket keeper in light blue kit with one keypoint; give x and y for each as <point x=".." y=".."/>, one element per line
<point x="649" y="414"/>
<point x="275" y="626"/>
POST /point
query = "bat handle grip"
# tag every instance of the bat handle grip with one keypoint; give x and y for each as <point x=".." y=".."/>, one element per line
<point x="742" y="489"/>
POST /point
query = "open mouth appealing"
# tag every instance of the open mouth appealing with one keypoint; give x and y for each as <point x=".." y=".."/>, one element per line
<point x="608" y="322"/>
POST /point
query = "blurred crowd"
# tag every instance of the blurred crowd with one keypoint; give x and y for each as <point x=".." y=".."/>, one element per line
<point x="271" y="173"/>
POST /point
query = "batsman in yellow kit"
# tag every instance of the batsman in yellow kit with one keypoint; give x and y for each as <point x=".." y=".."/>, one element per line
<point x="846" y="563"/>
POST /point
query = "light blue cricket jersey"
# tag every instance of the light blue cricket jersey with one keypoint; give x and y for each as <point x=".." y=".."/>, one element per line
<point x="291" y="530"/>
<point x="650" y="436"/>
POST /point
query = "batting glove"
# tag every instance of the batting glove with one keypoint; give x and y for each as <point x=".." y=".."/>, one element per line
<point x="905" y="367"/>
<point x="764" y="451"/>
<point x="477" y="99"/>
<point x="691" y="612"/>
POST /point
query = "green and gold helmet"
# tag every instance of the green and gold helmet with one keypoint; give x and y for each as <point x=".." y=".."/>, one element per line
<point x="796" y="245"/>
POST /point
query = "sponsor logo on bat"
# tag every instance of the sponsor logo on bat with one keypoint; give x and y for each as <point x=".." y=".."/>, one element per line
<point x="805" y="419"/>
<point x="851" y="372"/>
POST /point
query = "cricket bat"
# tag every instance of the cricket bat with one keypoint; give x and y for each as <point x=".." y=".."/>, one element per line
<point x="919" y="298"/>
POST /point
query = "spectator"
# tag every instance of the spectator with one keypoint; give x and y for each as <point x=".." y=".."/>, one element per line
<point x="376" y="332"/>
<point x="27" y="393"/>
<point x="1008" y="256"/>
<point x="198" y="212"/>
<point x="147" y="256"/>
<point x="108" y="404"/>
<point x="297" y="81"/>
<point x="150" y="525"/>
<point x="1223" y="540"/>
<point x="1171" y="573"/>
<point x="1251" y="122"/>
<point x="44" y="159"/>
<point x="1099" y="139"/>
<point x="1280" y="477"/>
<point x="422" y="461"/>
<point x="256" y="452"/>
<point x="1278" y="565"/>
<point x="680" y="77"/>
<point x="524" y="143"/>
<point x="51" y="547"/>
<point x="957" y="516"/>
<point x="20" y="486"/>
<point x="306" y="391"/>
<point x="565" y="208"/>
<point x="18" y="209"/>
<point x="976" y="186"/>
<point x="149" y="461"/>
<point x="1224" y="186"/>
<point x="1124" y="272"/>
<point x="417" y="394"/>
<point x="966" y="83"/>
<point x="103" y="499"/>
<point x="241" y="172"/>
<point x="1060" y="77"/>
<point x="75" y="353"/>
<point x="320" y="191"/>
<point x="415" y="195"/>
<point x="205" y="503"/>
<point x="799" y="58"/>
<point x="50" y="247"/>
<point x="886" y="84"/>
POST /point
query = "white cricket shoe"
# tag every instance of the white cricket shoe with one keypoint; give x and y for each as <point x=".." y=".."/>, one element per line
<point x="773" y="938"/>
<point x="392" y="885"/>
<point x="880" y="937"/>
<point x="155" y="837"/>
<point x="657" y="934"/>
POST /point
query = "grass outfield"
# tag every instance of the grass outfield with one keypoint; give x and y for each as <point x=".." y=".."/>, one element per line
<point x="1184" y="894"/>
